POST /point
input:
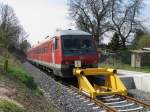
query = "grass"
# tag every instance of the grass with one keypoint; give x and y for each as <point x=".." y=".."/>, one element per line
<point x="10" y="106"/>
<point x="22" y="76"/>
<point x="122" y="60"/>
<point x="145" y="69"/>
<point x="27" y="92"/>
<point x="32" y="100"/>
<point x="16" y="70"/>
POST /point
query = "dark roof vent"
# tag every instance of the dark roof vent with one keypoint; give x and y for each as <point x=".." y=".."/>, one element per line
<point x="69" y="29"/>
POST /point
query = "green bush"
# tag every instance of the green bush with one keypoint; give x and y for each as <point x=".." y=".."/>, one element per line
<point x="124" y="57"/>
<point x="23" y="77"/>
<point x="144" y="41"/>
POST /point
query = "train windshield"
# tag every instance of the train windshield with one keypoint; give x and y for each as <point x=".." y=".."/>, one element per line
<point x="78" y="44"/>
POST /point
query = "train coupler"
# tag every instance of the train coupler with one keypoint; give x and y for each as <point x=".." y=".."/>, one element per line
<point x="99" y="81"/>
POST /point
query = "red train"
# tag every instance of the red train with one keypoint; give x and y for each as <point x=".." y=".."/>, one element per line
<point x="60" y="52"/>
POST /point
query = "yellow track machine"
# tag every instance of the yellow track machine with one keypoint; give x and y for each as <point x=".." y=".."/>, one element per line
<point x="112" y="84"/>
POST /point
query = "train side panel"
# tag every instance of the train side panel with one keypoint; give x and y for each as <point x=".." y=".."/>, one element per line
<point x="49" y="55"/>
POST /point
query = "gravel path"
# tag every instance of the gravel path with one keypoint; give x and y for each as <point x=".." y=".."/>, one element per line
<point x="57" y="93"/>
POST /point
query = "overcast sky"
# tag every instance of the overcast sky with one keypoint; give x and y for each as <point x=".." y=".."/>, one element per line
<point x="42" y="17"/>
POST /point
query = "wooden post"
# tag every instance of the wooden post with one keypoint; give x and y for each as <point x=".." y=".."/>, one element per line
<point x="6" y="65"/>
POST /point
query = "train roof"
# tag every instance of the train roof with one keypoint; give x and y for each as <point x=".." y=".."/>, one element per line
<point x="73" y="32"/>
<point x="62" y="33"/>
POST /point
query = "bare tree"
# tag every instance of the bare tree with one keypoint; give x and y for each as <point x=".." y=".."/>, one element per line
<point x="23" y="44"/>
<point x="23" y="35"/>
<point x="9" y="25"/>
<point x="100" y="16"/>
<point x="125" y="18"/>
<point x="91" y="16"/>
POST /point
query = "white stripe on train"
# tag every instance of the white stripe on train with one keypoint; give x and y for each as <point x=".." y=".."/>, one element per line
<point x="49" y="64"/>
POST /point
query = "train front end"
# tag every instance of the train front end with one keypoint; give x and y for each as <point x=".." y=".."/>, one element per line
<point x="78" y="47"/>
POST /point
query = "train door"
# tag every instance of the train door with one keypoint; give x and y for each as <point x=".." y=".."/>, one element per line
<point x="53" y="52"/>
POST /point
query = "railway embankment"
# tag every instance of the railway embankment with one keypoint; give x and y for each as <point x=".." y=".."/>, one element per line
<point x="54" y="92"/>
<point x="18" y="91"/>
<point x="57" y="93"/>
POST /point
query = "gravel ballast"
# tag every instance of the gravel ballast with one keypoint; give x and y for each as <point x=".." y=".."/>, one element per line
<point x="57" y="93"/>
<point x="141" y="95"/>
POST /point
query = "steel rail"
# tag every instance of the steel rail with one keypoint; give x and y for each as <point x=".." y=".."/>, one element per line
<point x="110" y="108"/>
<point x="96" y="101"/>
<point x="136" y="101"/>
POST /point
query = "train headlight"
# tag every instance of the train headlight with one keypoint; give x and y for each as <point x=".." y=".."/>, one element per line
<point x="95" y="61"/>
<point x="65" y="62"/>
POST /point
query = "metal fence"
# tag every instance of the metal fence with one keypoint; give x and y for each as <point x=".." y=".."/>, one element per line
<point x="117" y="59"/>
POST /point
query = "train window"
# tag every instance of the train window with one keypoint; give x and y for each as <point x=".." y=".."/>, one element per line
<point x="50" y="47"/>
<point x="86" y="44"/>
<point x="73" y="43"/>
<point x="53" y="47"/>
<point x="46" y="49"/>
<point x="67" y="43"/>
<point x="56" y="43"/>
<point x="38" y="51"/>
<point x="42" y="50"/>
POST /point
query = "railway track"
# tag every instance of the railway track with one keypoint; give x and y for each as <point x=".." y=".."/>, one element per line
<point x="111" y="103"/>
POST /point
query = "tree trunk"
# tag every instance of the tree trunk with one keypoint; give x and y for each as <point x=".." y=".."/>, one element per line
<point x="123" y="43"/>
<point x="96" y="38"/>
